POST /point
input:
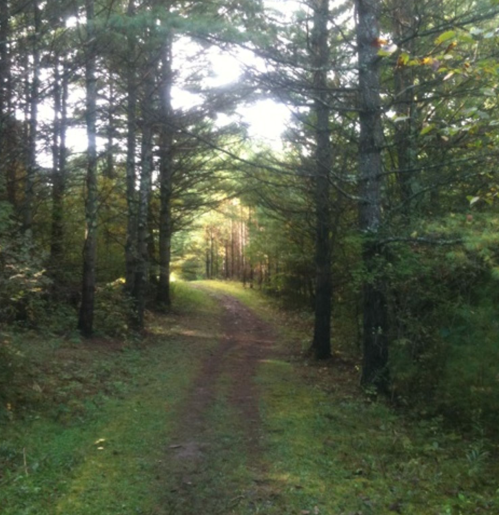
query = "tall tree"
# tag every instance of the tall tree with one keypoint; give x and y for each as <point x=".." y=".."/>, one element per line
<point x="165" y="173"/>
<point x="59" y="164"/>
<point x="86" y="319"/>
<point x="34" y="91"/>
<point x="375" y="317"/>
<point x="4" y="94"/>
<point x="131" y="176"/>
<point x="404" y="20"/>
<point x="146" y="170"/>
<point x="321" y="344"/>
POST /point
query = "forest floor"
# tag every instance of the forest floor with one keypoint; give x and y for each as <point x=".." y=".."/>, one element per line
<point x="216" y="411"/>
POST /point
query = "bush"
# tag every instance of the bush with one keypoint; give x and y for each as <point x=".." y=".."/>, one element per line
<point x="23" y="282"/>
<point x="112" y="310"/>
<point x="469" y="386"/>
<point x="11" y="363"/>
<point x="445" y="334"/>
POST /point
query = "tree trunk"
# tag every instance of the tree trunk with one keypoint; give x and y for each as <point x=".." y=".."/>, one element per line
<point x="110" y="129"/>
<point x="405" y="136"/>
<point x="212" y="255"/>
<point x="59" y="154"/>
<point x="139" y="290"/>
<point x="4" y="99"/>
<point x="152" y="261"/>
<point x="86" y="319"/>
<point x="29" y="193"/>
<point x="131" y="193"/>
<point x="165" y="176"/>
<point x="227" y="260"/>
<point x="375" y="323"/>
<point x="321" y="344"/>
<point x="4" y="60"/>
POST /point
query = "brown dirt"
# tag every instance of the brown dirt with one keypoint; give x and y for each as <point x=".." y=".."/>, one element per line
<point x="246" y="341"/>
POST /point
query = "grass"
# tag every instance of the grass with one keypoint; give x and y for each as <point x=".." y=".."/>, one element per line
<point x="343" y="454"/>
<point x="97" y="449"/>
<point x="332" y="450"/>
<point x="91" y="429"/>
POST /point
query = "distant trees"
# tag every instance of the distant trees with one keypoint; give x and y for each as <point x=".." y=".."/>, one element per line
<point x="119" y="56"/>
<point x="404" y="100"/>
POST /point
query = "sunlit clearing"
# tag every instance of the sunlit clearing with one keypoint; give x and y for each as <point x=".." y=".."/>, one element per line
<point x="173" y="277"/>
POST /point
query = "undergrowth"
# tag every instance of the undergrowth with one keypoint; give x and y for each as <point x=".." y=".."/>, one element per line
<point x="85" y="424"/>
<point x="89" y="428"/>
<point x="332" y="450"/>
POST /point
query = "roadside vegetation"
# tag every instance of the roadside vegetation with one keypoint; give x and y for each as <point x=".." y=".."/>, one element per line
<point x="90" y="428"/>
<point x="88" y="422"/>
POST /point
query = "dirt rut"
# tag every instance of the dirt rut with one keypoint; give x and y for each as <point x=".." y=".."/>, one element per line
<point x="246" y="341"/>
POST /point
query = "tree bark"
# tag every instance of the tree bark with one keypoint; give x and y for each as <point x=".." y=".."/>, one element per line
<point x="59" y="153"/>
<point x="4" y="60"/>
<point x="375" y="319"/>
<point x="31" y="169"/>
<point x="131" y="176"/>
<point x="4" y="98"/>
<point x="403" y="19"/>
<point x="110" y="130"/>
<point x="321" y="344"/>
<point x="86" y="319"/>
<point x="152" y="261"/>
<point x="139" y="290"/>
<point x="165" y="176"/>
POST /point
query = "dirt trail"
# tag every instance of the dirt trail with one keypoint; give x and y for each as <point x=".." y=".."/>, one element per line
<point x="246" y="341"/>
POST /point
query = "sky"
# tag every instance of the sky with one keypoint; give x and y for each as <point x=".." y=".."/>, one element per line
<point x="265" y="119"/>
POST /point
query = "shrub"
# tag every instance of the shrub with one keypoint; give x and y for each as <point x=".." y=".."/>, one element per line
<point x="444" y="334"/>
<point x="11" y="363"/>
<point x="112" y="310"/>
<point x="23" y="282"/>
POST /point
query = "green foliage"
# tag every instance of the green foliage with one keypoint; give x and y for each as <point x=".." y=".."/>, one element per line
<point x="112" y="310"/>
<point x="23" y="281"/>
<point x="444" y="331"/>
<point x="12" y="366"/>
<point x="469" y="387"/>
<point x="89" y="438"/>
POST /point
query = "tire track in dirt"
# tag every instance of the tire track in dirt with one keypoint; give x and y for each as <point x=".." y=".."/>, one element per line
<point x="246" y="341"/>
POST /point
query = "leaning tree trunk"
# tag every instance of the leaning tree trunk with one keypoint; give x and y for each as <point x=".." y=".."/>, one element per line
<point x="375" y="323"/>
<point x="321" y="344"/>
<point x="165" y="177"/>
<point x="29" y="192"/>
<point x="86" y="319"/>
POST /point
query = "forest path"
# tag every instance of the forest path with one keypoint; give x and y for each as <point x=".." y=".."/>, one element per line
<point x="216" y="412"/>
<point x="219" y="423"/>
